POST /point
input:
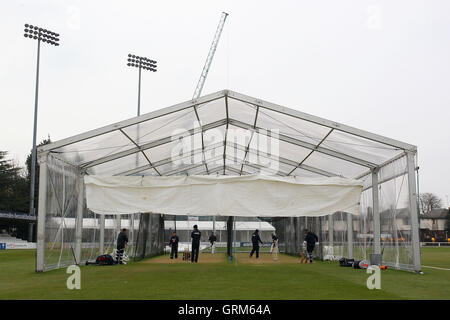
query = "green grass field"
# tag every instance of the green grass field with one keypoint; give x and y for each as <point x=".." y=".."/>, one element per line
<point x="216" y="278"/>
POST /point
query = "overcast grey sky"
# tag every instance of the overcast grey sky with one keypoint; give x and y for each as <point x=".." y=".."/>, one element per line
<point x="382" y="66"/>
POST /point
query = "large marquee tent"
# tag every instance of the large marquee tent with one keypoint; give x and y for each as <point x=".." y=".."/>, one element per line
<point x="228" y="154"/>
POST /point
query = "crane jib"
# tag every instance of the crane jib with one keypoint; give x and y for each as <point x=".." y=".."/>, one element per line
<point x="212" y="50"/>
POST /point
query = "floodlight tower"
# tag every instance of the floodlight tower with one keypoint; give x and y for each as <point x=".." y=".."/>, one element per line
<point x="141" y="63"/>
<point x="146" y="64"/>
<point x="50" y="37"/>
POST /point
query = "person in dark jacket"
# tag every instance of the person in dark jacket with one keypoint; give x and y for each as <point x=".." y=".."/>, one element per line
<point x="195" y="235"/>
<point x="255" y="241"/>
<point x="212" y="239"/>
<point x="122" y="240"/>
<point x="173" y="243"/>
<point x="311" y="239"/>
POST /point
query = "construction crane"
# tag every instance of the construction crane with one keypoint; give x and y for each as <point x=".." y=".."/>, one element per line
<point x="200" y="84"/>
<point x="212" y="50"/>
<point x="204" y="74"/>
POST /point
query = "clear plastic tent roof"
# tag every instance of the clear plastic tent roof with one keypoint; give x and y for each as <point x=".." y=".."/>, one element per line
<point x="227" y="133"/>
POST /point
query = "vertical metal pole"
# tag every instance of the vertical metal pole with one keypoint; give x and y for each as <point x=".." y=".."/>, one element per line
<point x="102" y="234"/>
<point x="350" y="235"/>
<point x="331" y="234"/>
<point x="131" y="222"/>
<point x="79" y="220"/>
<point x="321" y="237"/>
<point x="229" y="237"/>
<point x="395" y="236"/>
<point x="137" y="236"/>
<point x="234" y="240"/>
<point x="33" y="152"/>
<point x="30" y="232"/>
<point x="418" y="189"/>
<point x="161" y="237"/>
<point x="301" y="232"/>
<point x="292" y="236"/>
<point x="414" y="212"/>
<point x="376" y="212"/>
<point x="117" y="229"/>
<point x="138" y="113"/>
<point x="139" y="90"/>
<point x="118" y="223"/>
<point x="42" y="212"/>
<point x="150" y="231"/>
<point x="137" y="134"/>
<point x="145" y="233"/>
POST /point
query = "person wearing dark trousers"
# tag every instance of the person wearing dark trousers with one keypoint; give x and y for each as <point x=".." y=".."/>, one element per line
<point x="311" y="239"/>
<point x="212" y="239"/>
<point x="122" y="240"/>
<point x="255" y="241"/>
<point x="195" y="235"/>
<point x="173" y="242"/>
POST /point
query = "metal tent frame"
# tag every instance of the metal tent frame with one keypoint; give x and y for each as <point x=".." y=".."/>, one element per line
<point x="309" y="145"/>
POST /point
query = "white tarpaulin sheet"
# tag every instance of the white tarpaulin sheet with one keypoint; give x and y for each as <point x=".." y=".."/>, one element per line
<point x="248" y="196"/>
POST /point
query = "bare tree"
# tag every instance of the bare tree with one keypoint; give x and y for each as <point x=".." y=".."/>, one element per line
<point x="429" y="201"/>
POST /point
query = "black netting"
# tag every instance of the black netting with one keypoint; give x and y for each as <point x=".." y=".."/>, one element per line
<point x="149" y="236"/>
